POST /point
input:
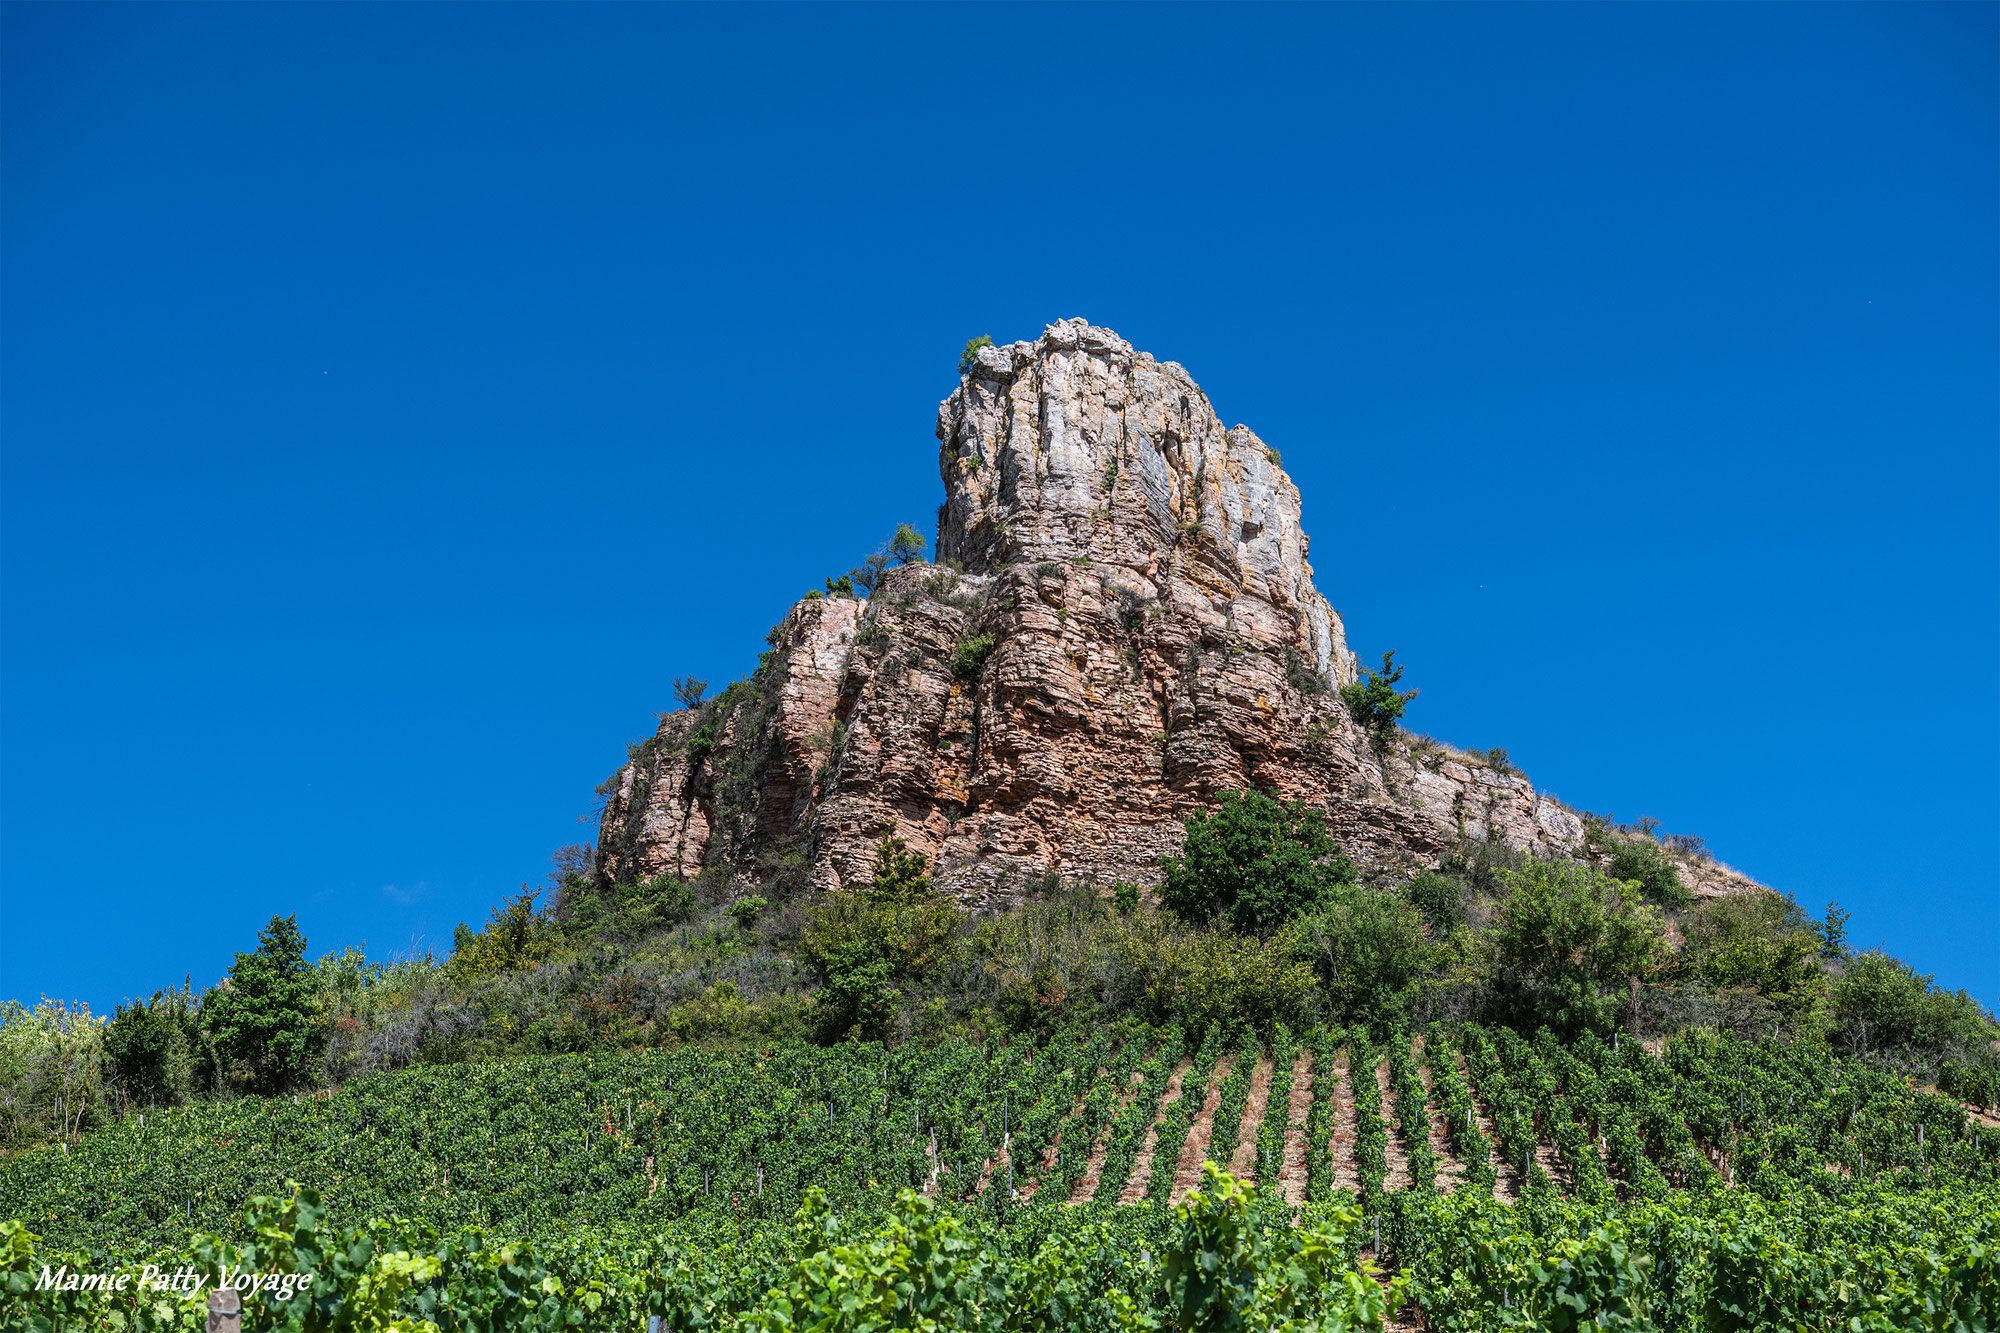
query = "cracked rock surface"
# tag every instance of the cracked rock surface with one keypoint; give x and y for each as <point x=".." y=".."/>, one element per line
<point x="1137" y="575"/>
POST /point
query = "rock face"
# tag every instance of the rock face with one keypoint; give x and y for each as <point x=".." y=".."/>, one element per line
<point x="1123" y="622"/>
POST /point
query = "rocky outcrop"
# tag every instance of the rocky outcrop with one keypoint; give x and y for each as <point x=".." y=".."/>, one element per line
<point x="1123" y="622"/>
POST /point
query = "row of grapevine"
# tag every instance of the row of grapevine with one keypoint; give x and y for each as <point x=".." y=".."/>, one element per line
<point x="539" y="1146"/>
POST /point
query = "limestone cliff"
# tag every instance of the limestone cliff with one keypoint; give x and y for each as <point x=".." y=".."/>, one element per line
<point x="1122" y="623"/>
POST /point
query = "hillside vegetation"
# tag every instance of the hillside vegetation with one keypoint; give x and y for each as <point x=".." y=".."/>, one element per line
<point x="1509" y="1092"/>
<point x="1743" y="1171"/>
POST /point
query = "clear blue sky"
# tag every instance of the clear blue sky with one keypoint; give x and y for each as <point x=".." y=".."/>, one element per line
<point x="396" y="398"/>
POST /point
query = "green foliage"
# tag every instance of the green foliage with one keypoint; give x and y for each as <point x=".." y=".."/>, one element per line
<point x="1883" y="1006"/>
<point x="265" y="1019"/>
<point x="1639" y="859"/>
<point x="1126" y="896"/>
<point x="1833" y="932"/>
<point x="1255" y="861"/>
<point x="517" y="935"/>
<point x="840" y="587"/>
<point x="1236" y="1264"/>
<point x="746" y="911"/>
<point x="748" y="1189"/>
<point x="1568" y="941"/>
<point x="701" y="742"/>
<point x="1374" y="702"/>
<point x="859" y="946"/>
<point x="970" y="659"/>
<point x="1369" y="947"/>
<point x="150" y="1053"/>
<point x="1231" y="983"/>
<point x="688" y="691"/>
<point x="907" y="545"/>
<point x="1761" y="941"/>
<point x="623" y="912"/>
<point x="1226" y="1259"/>
<point x="51" y="1071"/>
<point x="1437" y="896"/>
<point x="967" y="357"/>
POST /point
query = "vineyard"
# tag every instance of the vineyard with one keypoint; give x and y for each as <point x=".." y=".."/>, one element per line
<point x="1487" y="1178"/>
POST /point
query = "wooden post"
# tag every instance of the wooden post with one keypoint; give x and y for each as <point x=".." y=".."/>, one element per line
<point x="225" y="1311"/>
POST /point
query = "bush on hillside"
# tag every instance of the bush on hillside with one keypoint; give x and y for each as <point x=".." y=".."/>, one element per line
<point x="1762" y="942"/>
<point x="861" y="945"/>
<point x="1255" y="862"/>
<point x="1568" y="943"/>
<point x="1884" y="1009"/>
<point x="967" y="357"/>
<point x="1639" y="860"/>
<point x="150" y="1052"/>
<point x="1437" y="896"/>
<point x="631" y="911"/>
<point x="970" y="658"/>
<point x="516" y="935"/>
<point x="1368" y="947"/>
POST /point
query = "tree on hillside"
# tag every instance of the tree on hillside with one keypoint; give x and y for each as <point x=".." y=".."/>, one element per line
<point x="151" y="1054"/>
<point x="1886" y="1010"/>
<point x="1368" y="946"/>
<point x="860" y="945"/>
<point x="1568" y="942"/>
<point x="1761" y="941"/>
<point x="1255" y="861"/>
<point x="264" y="1017"/>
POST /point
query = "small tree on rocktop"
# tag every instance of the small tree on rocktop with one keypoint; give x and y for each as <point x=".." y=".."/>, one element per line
<point x="907" y="546"/>
<point x="1374" y="702"/>
<point x="971" y="352"/>
<point x="688" y="691"/>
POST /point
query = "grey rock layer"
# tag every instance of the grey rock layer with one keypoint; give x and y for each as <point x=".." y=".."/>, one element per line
<point x="1141" y="575"/>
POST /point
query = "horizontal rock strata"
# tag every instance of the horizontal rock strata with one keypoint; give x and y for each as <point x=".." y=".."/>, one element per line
<point x="1123" y="624"/>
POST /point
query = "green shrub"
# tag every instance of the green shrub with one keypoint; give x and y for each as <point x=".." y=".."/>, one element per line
<point x="150" y="1052"/>
<point x="1368" y="947"/>
<point x="840" y="587"/>
<point x="1374" y="702"/>
<point x="1640" y="860"/>
<point x="1256" y="862"/>
<point x="860" y="945"/>
<point x="1568" y="942"/>
<point x="1437" y="897"/>
<point x="1126" y="896"/>
<point x="971" y="657"/>
<point x="1884" y="1008"/>
<point x="970" y="355"/>
<point x="1761" y="941"/>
